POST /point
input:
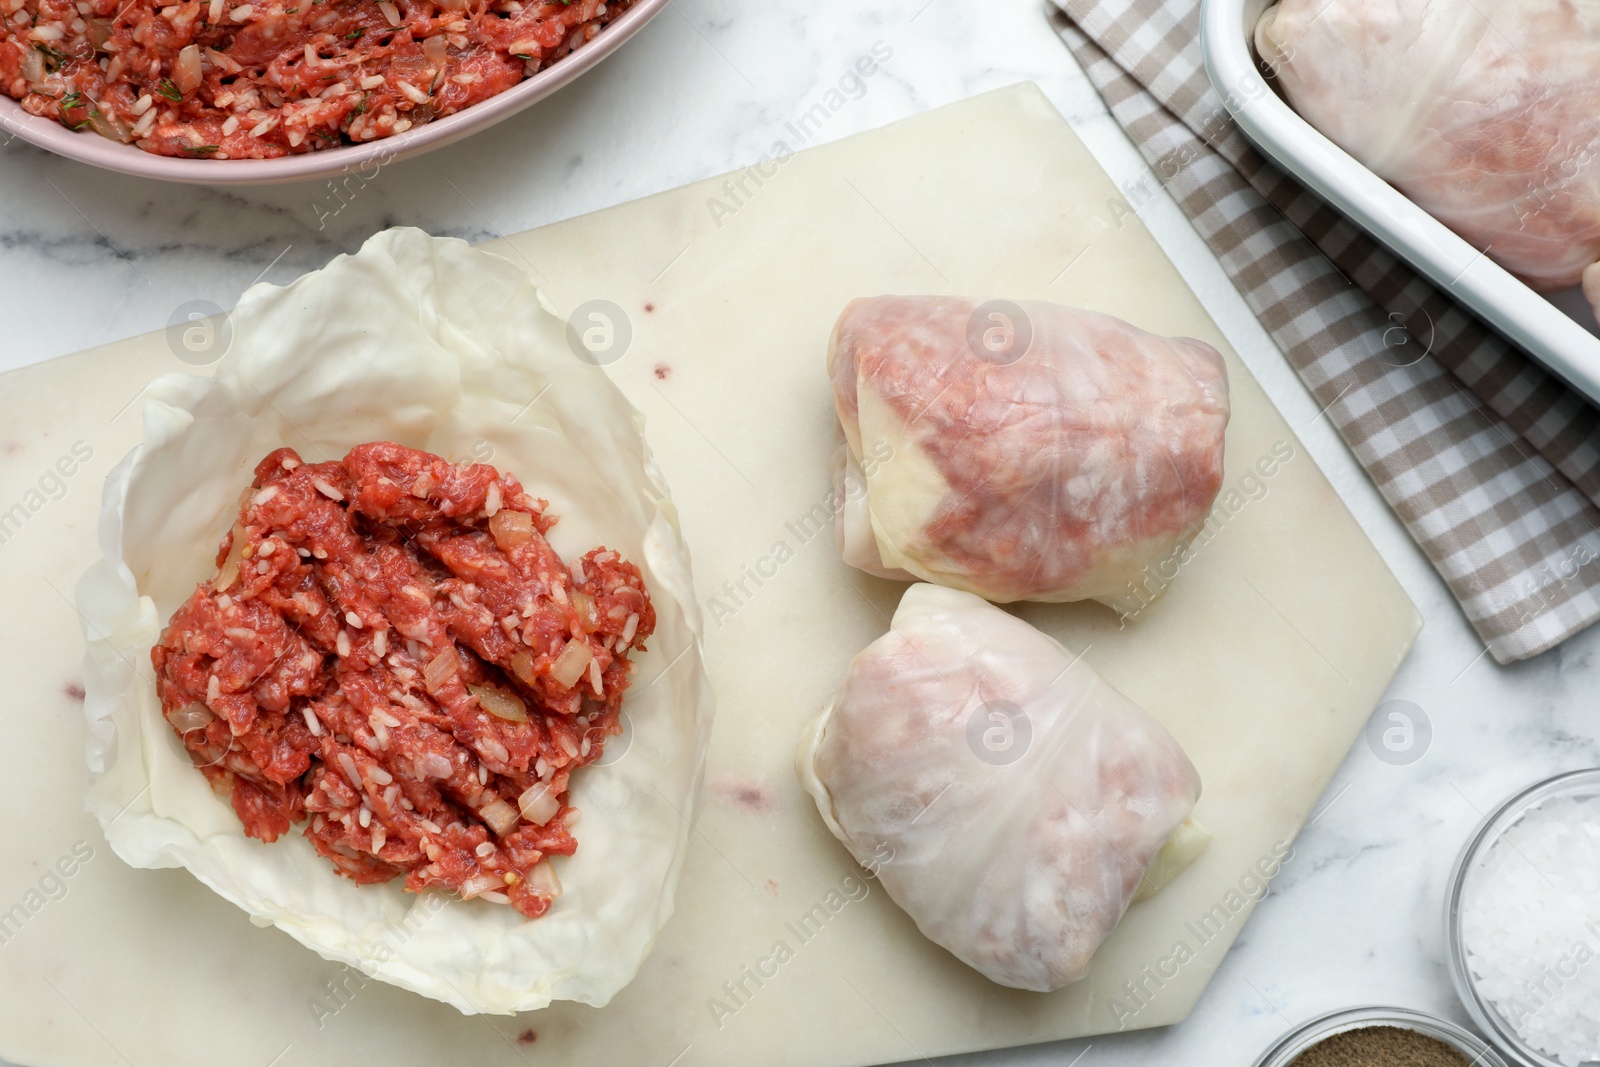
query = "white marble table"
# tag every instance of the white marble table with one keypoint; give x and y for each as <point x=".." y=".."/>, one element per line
<point x="1357" y="916"/>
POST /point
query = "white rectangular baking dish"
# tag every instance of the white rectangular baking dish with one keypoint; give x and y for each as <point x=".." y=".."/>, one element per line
<point x="1558" y="329"/>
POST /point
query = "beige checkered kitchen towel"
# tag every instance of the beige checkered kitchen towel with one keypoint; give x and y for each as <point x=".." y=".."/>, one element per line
<point x="1492" y="464"/>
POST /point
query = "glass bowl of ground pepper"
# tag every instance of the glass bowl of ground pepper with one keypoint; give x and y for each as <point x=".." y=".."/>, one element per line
<point x="1379" y="1037"/>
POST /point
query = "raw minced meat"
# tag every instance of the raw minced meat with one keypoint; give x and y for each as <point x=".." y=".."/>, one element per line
<point x="393" y="660"/>
<point x="256" y="79"/>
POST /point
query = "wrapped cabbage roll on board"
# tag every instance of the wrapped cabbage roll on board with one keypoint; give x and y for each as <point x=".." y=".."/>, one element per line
<point x="1023" y="451"/>
<point x="1486" y="125"/>
<point x="1007" y="798"/>
<point x="852" y="526"/>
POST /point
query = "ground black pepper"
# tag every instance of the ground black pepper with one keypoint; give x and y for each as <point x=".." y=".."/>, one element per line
<point x="1381" y="1046"/>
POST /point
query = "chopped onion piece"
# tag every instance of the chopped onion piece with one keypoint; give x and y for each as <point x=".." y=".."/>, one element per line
<point x="195" y="716"/>
<point x="583" y="603"/>
<point x="230" y="566"/>
<point x="522" y="667"/>
<point x="501" y="817"/>
<point x="574" y="660"/>
<point x="108" y="124"/>
<point x="186" y="72"/>
<point x="32" y="65"/>
<point x="440" y="670"/>
<point x="479" y="883"/>
<point x="499" y="703"/>
<point x="542" y="880"/>
<point x="511" y="528"/>
<point x="538" y="803"/>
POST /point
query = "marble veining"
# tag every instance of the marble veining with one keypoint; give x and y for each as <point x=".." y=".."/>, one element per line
<point x="1356" y="916"/>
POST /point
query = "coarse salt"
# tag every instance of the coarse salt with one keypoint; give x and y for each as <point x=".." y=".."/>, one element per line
<point x="1530" y="928"/>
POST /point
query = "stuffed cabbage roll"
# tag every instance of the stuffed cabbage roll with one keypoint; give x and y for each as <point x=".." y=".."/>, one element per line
<point x="1487" y="124"/>
<point x="1006" y="797"/>
<point x="852" y="525"/>
<point x="1023" y="451"/>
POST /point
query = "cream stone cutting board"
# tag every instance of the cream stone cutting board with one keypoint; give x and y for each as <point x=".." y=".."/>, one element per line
<point x="1264" y="658"/>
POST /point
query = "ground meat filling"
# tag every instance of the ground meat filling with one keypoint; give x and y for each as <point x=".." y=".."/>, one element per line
<point x="256" y="79"/>
<point x="393" y="660"/>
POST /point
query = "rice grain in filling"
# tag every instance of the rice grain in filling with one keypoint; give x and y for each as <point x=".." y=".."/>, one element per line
<point x="394" y="661"/>
<point x="257" y="79"/>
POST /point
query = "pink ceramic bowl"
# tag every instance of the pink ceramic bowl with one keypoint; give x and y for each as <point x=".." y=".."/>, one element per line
<point x="97" y="151"/>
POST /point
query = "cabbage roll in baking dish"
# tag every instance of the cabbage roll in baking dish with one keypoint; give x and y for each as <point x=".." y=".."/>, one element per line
<point x="1484" y="117"/>
<point x="1022" y="451"/>
<point x="1006" y="797"/>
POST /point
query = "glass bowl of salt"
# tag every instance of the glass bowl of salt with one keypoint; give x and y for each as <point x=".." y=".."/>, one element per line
<point x="1523" y="923"/>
